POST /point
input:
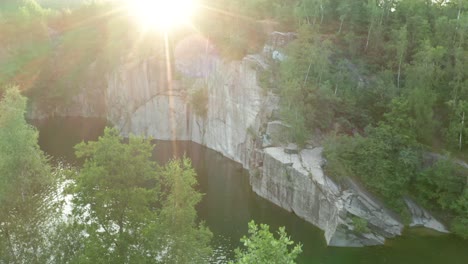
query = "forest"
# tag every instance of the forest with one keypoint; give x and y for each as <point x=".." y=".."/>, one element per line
<point x="382" y="84"/>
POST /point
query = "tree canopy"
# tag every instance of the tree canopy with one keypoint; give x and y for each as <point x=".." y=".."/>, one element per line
<point x="26" y="184"/>
<point x="262" y="247"/>
<point x="126" y="209"/>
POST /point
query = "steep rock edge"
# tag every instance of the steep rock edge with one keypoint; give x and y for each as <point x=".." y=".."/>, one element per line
<point x="421" y="217"/>
<point x="296" y="182"/>
<point x="136" y="100"/>
<point x="236" y="106"/>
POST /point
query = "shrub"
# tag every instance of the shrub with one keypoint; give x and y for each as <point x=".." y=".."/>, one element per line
<point x="199" y="102"/>
<point x="360" y="224"/>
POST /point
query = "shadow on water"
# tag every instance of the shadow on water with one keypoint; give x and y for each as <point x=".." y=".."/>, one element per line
<point x="229" y="204"/>
<point x="58" y="136"/>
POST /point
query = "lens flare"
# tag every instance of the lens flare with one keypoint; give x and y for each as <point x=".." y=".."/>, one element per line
<point x="162" y="14"/>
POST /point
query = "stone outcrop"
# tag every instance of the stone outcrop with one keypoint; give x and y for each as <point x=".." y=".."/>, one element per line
<point x="421" y="217"/>
<point x="296" y="182"/>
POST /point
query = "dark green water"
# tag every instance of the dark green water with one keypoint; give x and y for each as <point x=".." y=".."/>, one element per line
<point x="229" y="204"/>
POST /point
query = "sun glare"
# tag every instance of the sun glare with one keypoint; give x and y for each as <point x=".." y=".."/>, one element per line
<point x="162" y="14"/>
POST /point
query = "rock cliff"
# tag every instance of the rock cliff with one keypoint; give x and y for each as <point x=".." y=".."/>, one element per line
<point x="296" y="182"/>
<point x="141" y="101"/>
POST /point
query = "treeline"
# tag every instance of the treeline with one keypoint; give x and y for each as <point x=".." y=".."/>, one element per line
<point x="119" y="207"/>
<point x="367" y="53"/>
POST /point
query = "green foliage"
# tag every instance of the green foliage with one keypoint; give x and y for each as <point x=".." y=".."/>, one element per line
<point x="199" y="101"/>
<point x="384" y="161"/>
<point x="262" y="247"/>
<point x="397" y="89"/>
<point x="298" y="132"/>
<point x="305" y="90"/>
<point x="339" y="151"/>
<point x="389" y="163"/>
<point x="115" y="197"/>
<point x="441" y="185"/>
<point x="188" y="242"/>
<point x="61" y="4"/>
<point x="460" y="222"/>
<point x="128" y="210"/>
<point x="311" y="11"/>
<point x="25" y="185"/>
<point x="235" y="33"/>
<point x="360" y="224"/>
<point x="24" y="42"/>
<point x="456" y="134"/>
<point x="264" y="78"/>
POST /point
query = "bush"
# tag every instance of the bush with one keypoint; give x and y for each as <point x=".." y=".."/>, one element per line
<point x="460" y="223"/>
<point x="199" y="102"/>
<point x="339" y="152"/>
<point x="440" y="185"/>
<point x="261" y="246"/>
<point x="384" y="161"/>
<point x="360" y="224"/>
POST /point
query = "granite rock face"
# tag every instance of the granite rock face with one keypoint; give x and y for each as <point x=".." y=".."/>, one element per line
<point x="142" y="104"/>
<point x="296" y="182"/>
<point x="421" y="217"/>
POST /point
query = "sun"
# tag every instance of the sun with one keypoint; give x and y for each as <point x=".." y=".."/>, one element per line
<point x="162" y="14"/>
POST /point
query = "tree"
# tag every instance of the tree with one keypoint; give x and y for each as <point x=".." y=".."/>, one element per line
<point x="457" y="130"/>
<point x="374" y="12"/>
<point x="441" y="184"/>
<point x="25" y="186"/>
<point x="311" y="10"/>
<point x="343" y="9"/>
<point x="178" y="215"/>
<point x="263" y="248"/>
<point x="115" y="195"/>
<point x="460" y="222"/>
<point x="305" y="84"/>
<point x="401" y="46"/>
<point x="122" y="202"/>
